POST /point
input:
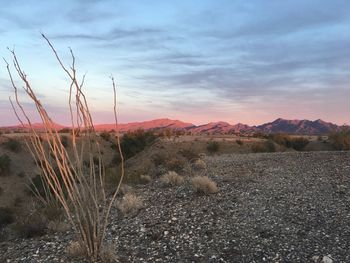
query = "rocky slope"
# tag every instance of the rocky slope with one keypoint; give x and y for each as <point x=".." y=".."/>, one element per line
<point x="280" y="207"/>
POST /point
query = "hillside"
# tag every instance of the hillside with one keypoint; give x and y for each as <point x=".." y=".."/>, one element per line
<point x="281" y="207"/>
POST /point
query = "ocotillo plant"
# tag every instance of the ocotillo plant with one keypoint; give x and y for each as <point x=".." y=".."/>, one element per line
<point x="79" y="188"/>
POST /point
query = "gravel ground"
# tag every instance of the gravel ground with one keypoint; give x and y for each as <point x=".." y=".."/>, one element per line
<point x="279" y="207"/>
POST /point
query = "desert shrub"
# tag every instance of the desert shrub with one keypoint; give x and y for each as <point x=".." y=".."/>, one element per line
<point x="130" y="204"/>
<point x="64" y="141"/>
<point x="204" y="185"/>
<point x="171" y="178"/>
<point x="145" y="179"/>
<point x="6" y="216"/>
<point x="340" y="140"/>
<point x="175" y="164"/>
<point x="189" y="153"/>
<point x="265" y="147"/>
<point x="213" y="147"/>
<point x="135" y="142"/>
<point x="239" y="142"/>
<point x="105" y="135"/>
<point x="5" y="162"/>
<point x="13" y="145"/>
<point x="199" y="164"/>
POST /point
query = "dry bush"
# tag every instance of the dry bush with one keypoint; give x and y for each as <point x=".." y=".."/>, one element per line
<point x="130" y="204"/>
<point x="80" y="191"/>
<point x="204" y="185"/>
<point x="171" y="178"/>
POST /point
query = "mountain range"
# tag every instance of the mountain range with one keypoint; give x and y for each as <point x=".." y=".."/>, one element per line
<point x="305" y="127"/>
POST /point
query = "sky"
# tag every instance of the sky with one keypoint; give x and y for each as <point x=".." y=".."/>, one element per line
<point x="197" y="61"/>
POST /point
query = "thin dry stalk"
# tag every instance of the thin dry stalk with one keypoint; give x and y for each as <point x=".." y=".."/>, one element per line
<point x="80" y="190"/>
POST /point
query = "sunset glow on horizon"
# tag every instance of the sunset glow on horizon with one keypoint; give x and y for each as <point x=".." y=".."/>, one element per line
<point x="196" y="61"/>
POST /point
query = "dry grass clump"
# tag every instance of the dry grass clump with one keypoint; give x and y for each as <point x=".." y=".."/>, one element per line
<point x="130" y="204"/>
<point x="171" y="178"/>
<point x="74" y="249"/>
<point x="204" y="185"/>
<point x="199" y="164"/>
<point x="108" y="255"/>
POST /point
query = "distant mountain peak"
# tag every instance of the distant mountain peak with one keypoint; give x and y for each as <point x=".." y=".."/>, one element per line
<point x="279" y="125"/>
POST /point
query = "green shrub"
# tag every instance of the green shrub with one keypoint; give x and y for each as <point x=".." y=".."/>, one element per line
<point x="5" y="163"/>
<point x="213" y="147"/>
<point x="13" y="145"/>
<point x="6" y="216"/>
<point x="135" y="142"/>
<point x="340" y="140"/>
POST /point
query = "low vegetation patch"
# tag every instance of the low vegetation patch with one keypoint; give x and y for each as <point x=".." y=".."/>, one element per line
<point x="6" y="216"/>
<point x="264" y="147"/>
<point x="171" y="178"/>
<point x="340" y="140"/>
<point x="204" y="185"/>
<point x="296" y="143"/>
<point x="175" y="164"/>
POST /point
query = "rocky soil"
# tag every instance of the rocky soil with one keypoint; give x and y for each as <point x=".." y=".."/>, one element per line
<point x="278" y="207"/>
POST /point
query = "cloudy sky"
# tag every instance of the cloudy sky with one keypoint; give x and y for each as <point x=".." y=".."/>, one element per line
<point x="197" y="61"/>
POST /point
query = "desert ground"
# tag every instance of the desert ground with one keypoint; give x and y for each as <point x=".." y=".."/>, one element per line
<point x="282" y="206"/>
